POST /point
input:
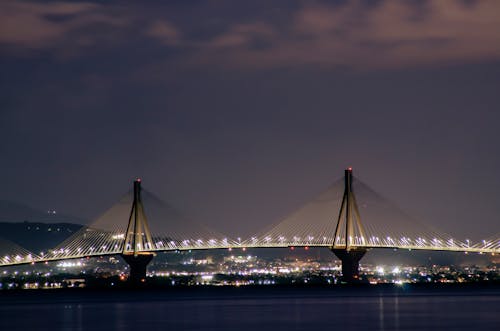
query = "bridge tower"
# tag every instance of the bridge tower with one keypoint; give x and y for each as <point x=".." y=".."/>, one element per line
<point x="138" y="240"/>
<point x="349" y="226"/>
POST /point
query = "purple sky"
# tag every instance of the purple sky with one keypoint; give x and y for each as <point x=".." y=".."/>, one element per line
<point x="238" y="112"/>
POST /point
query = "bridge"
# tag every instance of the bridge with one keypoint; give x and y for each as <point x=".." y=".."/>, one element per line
<point x="349" y="218"/>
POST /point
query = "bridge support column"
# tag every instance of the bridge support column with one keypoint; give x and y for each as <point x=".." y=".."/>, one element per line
<point x="138" y="264"/>
<point x="350" y="263"/>
<point x="138" y="240"/>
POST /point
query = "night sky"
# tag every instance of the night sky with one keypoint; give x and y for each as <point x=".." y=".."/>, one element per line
<point x="237" y="112"/>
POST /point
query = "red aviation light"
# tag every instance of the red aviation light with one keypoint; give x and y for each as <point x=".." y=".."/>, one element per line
<point x="350" y="168"/>
<point x="306" y="248"/>
<point x="292" y="248"/>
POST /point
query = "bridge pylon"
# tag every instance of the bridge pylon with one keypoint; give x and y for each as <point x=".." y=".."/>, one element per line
<point x="349" y="250"/>
<point x="138" y="241"/>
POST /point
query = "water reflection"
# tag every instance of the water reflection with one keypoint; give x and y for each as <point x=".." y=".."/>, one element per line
<point x="381" y="313"/>
<point x="262" y="311"/>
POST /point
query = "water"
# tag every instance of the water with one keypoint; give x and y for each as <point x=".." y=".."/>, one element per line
<point x="256" y="309"/>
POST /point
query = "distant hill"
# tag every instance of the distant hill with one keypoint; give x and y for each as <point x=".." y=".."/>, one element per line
<point x="34" y="229"/>
<point x="37" y="236"/>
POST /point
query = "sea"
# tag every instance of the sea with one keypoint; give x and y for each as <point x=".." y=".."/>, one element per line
<point x="260" y="308"/>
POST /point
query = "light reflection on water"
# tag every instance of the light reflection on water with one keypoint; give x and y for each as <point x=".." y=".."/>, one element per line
<point x="256" y="311"/>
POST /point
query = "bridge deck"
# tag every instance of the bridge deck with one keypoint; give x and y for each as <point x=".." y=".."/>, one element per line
<point x="24" y="260"/>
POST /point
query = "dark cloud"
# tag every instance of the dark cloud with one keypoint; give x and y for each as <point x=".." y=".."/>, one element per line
<point x="390" y="34"/>
<point x="47" y="25"/>
<point x="351" y="33"/>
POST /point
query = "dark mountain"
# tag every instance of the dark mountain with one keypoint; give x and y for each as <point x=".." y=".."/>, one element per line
<point x="37" y="236"/>
<point x="34" y="229"/>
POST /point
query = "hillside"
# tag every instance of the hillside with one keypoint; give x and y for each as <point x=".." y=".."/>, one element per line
<point x="37" y="236"/>
<point x="34" y="229"/>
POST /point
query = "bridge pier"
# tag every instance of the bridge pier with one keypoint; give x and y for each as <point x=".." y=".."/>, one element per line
<point x="351" y="229"/>
<point x="137" y="264"/>
<point x="350" y="262"/>
<point x="137" y="240"/>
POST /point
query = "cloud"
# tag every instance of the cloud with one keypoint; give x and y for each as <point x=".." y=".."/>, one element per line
<point x="383" y="34"/>
<point x="246" y="35"/>
<point x="31" y="25"/>
<point x="389" y="34"/>
<point x="164" y="31"/>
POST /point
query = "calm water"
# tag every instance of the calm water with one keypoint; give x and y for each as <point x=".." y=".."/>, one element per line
<point x="256" y="309"/>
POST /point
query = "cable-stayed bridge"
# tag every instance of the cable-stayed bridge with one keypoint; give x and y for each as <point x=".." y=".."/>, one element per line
<point x="349" y="218"/>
